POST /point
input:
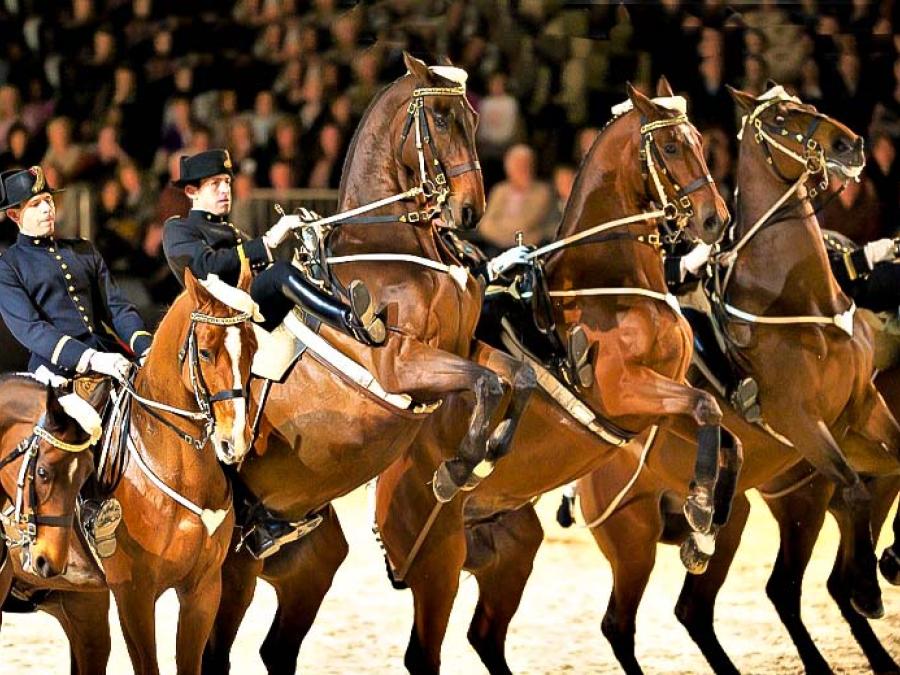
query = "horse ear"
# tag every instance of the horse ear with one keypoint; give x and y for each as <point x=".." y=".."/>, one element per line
<point x="771" y="84"/>
<point x="246" y="276"/>
<point x="417" y="68"/>
<point x="663" y="88"/>
<point x="745" y="101"/>
<point x="55" y="417"/>
<point x="445" y="61"/>
<point x="199" y="295"/>
<point x="644" y="105"/>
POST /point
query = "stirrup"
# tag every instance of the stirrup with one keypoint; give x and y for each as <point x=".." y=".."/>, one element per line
<point x="100" y="527"/>
<point x="272" y="545"/>
<point x="745" y="399"/>
<point x="578" y="355"/>
<point x="369" y="325"/>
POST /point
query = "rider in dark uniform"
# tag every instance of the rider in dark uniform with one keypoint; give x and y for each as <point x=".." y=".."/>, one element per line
<point x="59" y="300"/>
<point x="207" y="243"/>
<point x="867" y="274"/>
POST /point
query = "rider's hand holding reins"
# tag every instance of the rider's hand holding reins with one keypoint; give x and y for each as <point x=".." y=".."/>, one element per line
<point x="109" y="363"/>
<point x="517" y="255"/>
<point x="280" y="230"/>
<point x="879" y="251"/>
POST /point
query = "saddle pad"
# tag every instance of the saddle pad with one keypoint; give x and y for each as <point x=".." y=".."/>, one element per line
<point x="276" y="352"/>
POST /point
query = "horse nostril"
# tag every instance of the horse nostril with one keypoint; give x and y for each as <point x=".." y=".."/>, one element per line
<point x="468" y="216"/>
<point x="42" y="566"/>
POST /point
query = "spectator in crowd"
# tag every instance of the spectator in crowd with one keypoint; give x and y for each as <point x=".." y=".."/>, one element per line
<point x="63" y="157"/>
<point x="884" y="172"/>
<point x="499" y="126"/>
<point x="856" y="213"/>
<point x="264" y="116"/>
<point x="10" y="111"/>
<point x="519" y="203"/>
<point x="326" y="169"/>
<point x="21" y="151"/>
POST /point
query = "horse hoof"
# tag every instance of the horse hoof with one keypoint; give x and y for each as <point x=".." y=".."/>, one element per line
<point x="869" y="608"/>
<point x="890" y="566"/>
<point x="564" y="515"/>
<point x="695" y="552"/>
<point x="443" y="485"/>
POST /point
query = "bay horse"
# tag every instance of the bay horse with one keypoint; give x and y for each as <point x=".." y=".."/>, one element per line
<point x="322" y="435"/>
<point x="643" y="348"/>
<point x="43" y="464"/>
<point x="177" y="517"/>
<point x="804" y="371"/>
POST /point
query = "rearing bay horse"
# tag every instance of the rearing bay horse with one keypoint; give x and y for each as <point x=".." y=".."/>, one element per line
<point x="643" y="348"/>
<point x="815" y="383"/>
<point x="324" y="435"/>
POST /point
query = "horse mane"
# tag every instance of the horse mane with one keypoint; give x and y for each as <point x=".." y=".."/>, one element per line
<point x="17" y="408"/>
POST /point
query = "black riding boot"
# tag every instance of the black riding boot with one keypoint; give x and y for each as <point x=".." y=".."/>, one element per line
<point x="359" y="320"/>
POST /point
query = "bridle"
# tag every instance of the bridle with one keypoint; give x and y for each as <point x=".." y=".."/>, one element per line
<point x="813" y="162"/>
<point x="202" y="396"/>
<point x="680" y="210"/>
<point x="16" y="516"/>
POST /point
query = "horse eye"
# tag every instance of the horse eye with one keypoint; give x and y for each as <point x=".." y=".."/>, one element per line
<point x="42" y="473"/>
<point x="205" y="355"/>
<point x="440" y="121"/>
<point x="670" y="148"/>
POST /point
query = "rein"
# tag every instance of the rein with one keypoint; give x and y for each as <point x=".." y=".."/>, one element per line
<point x="15" y="515"/>
<point x="679" y="210"/>
<point x="814" y="162"/>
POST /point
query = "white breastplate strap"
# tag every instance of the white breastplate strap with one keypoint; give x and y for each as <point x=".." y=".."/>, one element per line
<point x="844" y="320"/>
<point x="459" y="274"/>
<point x="667" y="298"/>
<point x="210" y="518"/>
<point x="344" y="364"/>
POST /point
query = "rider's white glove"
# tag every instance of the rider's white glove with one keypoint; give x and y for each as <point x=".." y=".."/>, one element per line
<point x="109" y="363"/>
<point x="518" y="255"/>
<point x="280" y="230"/>
<point x="308" y="215"/>
<point x="694" y="261"/>
<point x="880" y="251"/>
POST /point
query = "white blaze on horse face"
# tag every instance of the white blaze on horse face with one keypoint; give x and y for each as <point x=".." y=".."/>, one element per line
<point x="233" y="346"/>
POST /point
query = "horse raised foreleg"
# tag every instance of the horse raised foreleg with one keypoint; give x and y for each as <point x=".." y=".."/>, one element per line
<point x="800" y="515"/>
<point x="427" y="374"/>
<point x="842" y="577"/>
<point x="84" y="618"/>
<point x="500" y="554"/>
<point x="301" y="574"/>
<point x="696" y="604"/>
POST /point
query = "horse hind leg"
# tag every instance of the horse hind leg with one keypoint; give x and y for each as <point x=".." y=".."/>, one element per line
<point x="301" y="574"/>
<point x="628" y="540"/>
<point x="696" y="603"/>
<point x="800" y="515"/>
<point x="843" y="571"/>
<point x="501" y="556"/>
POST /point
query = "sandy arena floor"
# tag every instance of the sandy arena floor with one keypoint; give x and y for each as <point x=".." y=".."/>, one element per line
<point x="363" y="624"/>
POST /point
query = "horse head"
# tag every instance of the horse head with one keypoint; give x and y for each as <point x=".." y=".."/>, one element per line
<point x="795" y="137"/>
<point x="45" y="462"/>
<point x="218" y="353"/>
<point x="447" y="164"/>
<point x="672" y="168"/>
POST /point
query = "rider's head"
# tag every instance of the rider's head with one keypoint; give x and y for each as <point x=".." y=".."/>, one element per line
<point x="206" y="179"/>
<point x="28" y="201"/>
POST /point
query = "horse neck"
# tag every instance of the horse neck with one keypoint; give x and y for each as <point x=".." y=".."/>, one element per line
<point x="372" y="172"/>
<point x="785" y="263"/>
<point x="21" y="404"/>
<point x="608" y="188"/>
